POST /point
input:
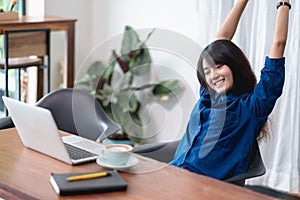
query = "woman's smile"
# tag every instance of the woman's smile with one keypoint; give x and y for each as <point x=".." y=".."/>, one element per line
<point x="218" y="77"/>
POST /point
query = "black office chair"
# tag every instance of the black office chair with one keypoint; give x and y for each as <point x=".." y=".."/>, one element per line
<point x="164" y="152"/>
<point x="75" y="111"/>
<point x="161" y="151"/>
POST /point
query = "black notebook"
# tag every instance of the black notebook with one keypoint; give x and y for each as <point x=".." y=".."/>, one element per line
<point x="111" y="183"/>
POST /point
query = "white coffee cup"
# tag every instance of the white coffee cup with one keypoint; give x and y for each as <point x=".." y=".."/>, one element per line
<point x="116" y="154"/>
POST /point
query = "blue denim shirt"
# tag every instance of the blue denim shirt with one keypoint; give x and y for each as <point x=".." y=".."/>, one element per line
<point x="222" y="128"/>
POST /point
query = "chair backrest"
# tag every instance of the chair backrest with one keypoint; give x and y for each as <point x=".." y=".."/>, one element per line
<point x="26" y="42"/>
<point x="77" y="112"/>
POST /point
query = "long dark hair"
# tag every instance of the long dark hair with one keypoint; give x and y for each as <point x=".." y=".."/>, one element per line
<point x="226" y="52"/>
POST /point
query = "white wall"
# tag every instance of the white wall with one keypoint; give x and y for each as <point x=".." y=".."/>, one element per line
<point x="174" y="50"/>
<point x="75" y="9"/>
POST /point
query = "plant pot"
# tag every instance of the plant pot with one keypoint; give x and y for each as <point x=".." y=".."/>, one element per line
<point x="5" y="16"/>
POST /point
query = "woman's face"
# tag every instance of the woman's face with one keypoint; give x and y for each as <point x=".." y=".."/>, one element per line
<point x="219" y="77"/>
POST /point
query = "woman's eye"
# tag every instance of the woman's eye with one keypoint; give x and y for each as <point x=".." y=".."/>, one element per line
<point x="206" y="73"/>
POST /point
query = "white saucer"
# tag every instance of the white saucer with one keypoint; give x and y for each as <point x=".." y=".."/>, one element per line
<point x="130" y="163"/>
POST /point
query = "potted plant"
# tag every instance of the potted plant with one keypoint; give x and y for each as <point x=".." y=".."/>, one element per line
<point x="117" y="90"/>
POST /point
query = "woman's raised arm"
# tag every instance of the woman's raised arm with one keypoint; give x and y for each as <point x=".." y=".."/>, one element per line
<point x="228" y="28"/>
<point x="281" y="29"/>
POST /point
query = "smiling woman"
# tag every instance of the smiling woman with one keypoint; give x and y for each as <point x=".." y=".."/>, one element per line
<point x="281" y="151"/>
<point x="213" y="145"/>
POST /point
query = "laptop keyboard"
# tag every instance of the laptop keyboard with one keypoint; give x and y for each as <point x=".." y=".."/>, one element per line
<point x="77" y="153"/>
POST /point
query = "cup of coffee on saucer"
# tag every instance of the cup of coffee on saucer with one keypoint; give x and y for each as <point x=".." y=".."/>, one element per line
<point x="116" y="154"/>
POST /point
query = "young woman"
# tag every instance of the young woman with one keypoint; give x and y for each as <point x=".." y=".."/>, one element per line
<point x="232" y="109"/>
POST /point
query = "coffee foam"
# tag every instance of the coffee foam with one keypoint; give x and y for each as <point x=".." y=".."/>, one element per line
<point x="118" y="148"/>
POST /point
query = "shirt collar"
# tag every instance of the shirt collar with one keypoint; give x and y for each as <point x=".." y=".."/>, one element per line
<point x="216" y="99"/>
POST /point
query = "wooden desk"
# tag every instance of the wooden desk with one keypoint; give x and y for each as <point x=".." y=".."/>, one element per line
<point x="24" y="174"/>
<point x="55" y="24"/>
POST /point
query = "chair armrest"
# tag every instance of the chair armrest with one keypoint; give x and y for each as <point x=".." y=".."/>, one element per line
<point x="162" y="151"/>
<point x="6" y="122"/>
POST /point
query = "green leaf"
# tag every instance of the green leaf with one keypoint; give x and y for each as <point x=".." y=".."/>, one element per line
<point x="105" y="95"/>
<point x="133" y="127"/>
<point x="110" y="68"/>
<point x="96" y="69"/>
<point x="145" y="86"/>
<point x="135" y="53"/>
<point x="133" y="103"/>
<point x="147" y="38"/>
<point x="126" y="80"/>
<point x="129" y="42"/>
<point x="166" y="88"/>
<point x="124" y="65"/>
<point x="127" y="101"/>
<point x="86" y="80"/>
<point x="141" y="62"/>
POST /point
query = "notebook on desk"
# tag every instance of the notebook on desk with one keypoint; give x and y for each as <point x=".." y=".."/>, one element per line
<point x="38" y="131"/>
<point x="62" y="186"/>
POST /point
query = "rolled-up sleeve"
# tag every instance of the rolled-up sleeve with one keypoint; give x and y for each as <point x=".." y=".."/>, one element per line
<point x="270" y="86"/>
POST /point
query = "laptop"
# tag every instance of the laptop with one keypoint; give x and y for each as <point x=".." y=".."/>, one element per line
<point x="38" y="131"/>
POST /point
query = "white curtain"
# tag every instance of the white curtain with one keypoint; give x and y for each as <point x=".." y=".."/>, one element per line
<point x="254" y="35"/>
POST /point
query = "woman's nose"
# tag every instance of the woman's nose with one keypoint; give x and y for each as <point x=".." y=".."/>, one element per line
<point x="214" y="74"/>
